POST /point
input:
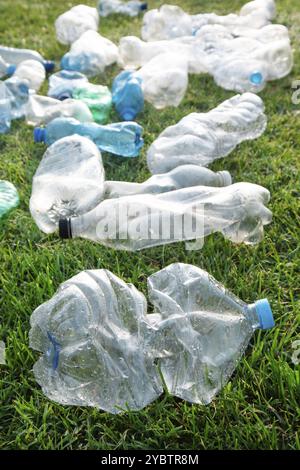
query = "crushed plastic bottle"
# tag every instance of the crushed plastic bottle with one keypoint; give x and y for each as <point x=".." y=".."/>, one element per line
<point x="32" y="71"/>
<point x="201" y="138"/>
<point x="14" y="94"/>
<point x="70" y="164"/>
<point x="100" y="348"/>
<point x="201" y="330"/>
<point x="120" y="138"/>
<point x="62" y="83"/>
<point x="9" y="198"/>
<point x="98" y="98"/>
<point x="92" y="338"/>
<point x="15" y="56"/>
<point x="167" y="22"/>
<point x="5" y="109"/>
<point x="130" y="8"/>
<point x="90" y="54"/>
<point x="73" y="23"/>
<point x="134" y="223"/>
<point x="43" y="109"/>
<point x="127" y="95"/>
<point x="184" y="176"/>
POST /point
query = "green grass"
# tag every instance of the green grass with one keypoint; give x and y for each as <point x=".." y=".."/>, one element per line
<point x="259" y="407"/>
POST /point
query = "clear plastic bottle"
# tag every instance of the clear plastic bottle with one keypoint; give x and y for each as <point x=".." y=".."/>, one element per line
<point x="98" y="98"/>
<point x="15" y="56"/>
<point x="167" y="22"/>
<point x="14" y="94"/>
<point x="32" y="71"/>
<point x="42" y="110"/>
<point x="127" y="95"/>
<point x="90" y="54"/>
<point x="73" y="23"/>
<point x="121" y="138"/>
<point x="62" y="83"/>
<point x="130" y="8"/>
<point x="200" y="138"/>
<point x="201" y="331"/>
<point x="93" y="342"/>
<point x="9" y="198"/>
<point x="5" y="109"/>
<point x="134" y="223"/>
<point x="70" y="164"/>
<point x="5" y="68"/>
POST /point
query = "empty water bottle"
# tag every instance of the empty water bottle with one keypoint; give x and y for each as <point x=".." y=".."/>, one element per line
<point x="73" y="23"/>
<point x="32" y="71"/>
<point x="9" y="198"/>
<point x="134" y="223"/>
<point x="200" y="138"/>
<point x="62" y="83"/>
<point x="15" y="56"/>
<point x="70" y="164"/>
<point x="98" y="98"/>
<point x="93" y="345"/>
<point x="43" y="109"/>
<point x="127" y="95"/>
<point x="100" y="348"/>
<point x="167" y="22"/>
<point x="122" y="138"/>
<point x="201" y="330"/>
<point x="14" y="94"/>
<point x="130" y="8"/>
<point x="90" y="54"/>
<point x="184" y="176"/>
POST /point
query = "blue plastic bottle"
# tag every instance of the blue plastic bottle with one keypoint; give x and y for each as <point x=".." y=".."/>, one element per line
<point x="127" y="95"/>
<point x="121" y="138"/>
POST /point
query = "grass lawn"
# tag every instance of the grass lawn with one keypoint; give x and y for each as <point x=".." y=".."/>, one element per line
<point x="260" y="406"/>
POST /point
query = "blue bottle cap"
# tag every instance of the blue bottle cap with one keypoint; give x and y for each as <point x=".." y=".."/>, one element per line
<point x="11" y="69"/>
<point x="144" y="6"/>
<point x="39" y="134"/>
<point x="256" y="78"/>
<point x="49" y="65"/>
<point x="264" y="313"/>
<point x="128" y="114"/>
<point x="64" y="96"/>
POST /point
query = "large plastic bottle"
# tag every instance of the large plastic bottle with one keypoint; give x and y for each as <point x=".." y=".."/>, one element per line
<point x="200" y="138"/>
<point x="73" y="23"/>
<point x="122" y="138"/>
<point x="98" y="98"/>
<point x="15" y="56"/>
<point x="130" y="8"/>
<point x="201" y="331"/>
<point x="135" y="222"/>
<point x="100" y="348"/>
<point x="127" y="95"/>
<point x="90" y="54"/>
<point x="167" y="22"/>
<point x="43" y="109"/>
<point x="62" y="83"/>
<point x="68" y="166"/>
<point x="9" y="198"/>
<point x="32" y="71"/>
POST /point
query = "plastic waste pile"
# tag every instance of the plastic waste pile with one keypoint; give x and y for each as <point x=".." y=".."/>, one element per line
<point x="130" y="8"/>
<point x="100" y="347"/>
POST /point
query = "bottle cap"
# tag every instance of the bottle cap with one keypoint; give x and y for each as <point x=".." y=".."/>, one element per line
<point x="128" y="114"/>
<point x="39" y="134"/>
<point x="264" y="313"/>
<point x="64" y="228"/>
<point x="64" y="96"/>
<point x="256" y="78"/>
<point x="49" y="65"/>
<point x="225" y="178"/>
<point x="144" y="6"/>
<point x="11" y="69"/>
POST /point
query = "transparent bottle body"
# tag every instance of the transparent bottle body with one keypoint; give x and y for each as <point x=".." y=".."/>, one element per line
<point x="5" y="109"/>
<point x="73" y="23"/>
<point x="9" y="198"/>
<point x="98" y="98"/>
<point x="62" y="83"/>
<point x="201" y="138"/>
<point x="15" y="56"/>
<point x="130" y="8"/>
<point x="32" y="71"/>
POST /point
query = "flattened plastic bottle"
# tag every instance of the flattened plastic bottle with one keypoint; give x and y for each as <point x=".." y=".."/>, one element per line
<point x="201" y="331"/>
<point x="15" y="56"/>
<point x="68" y="166"/>
<point x="93" y="338"/>
<point x="62" y="83"/>
<point x="42" y="110"/>
<point x="32" y="71"/>
<point x="127" y="95"/>
<point x="9" y="198"/>
<point x="98" y="98"/>
<point x="130" y="8"/>
<point x="121" y="138"/>
<point x="90" y="54"/>
<point x="134" y="223"/>
<point x="73" y="23"/>
<point x="201" y="138"/>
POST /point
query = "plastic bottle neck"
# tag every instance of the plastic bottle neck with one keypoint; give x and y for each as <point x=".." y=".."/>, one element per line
<point x="39" y="134"/>
<point x="260" y="315"/>
<point x="49" y="65"/>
